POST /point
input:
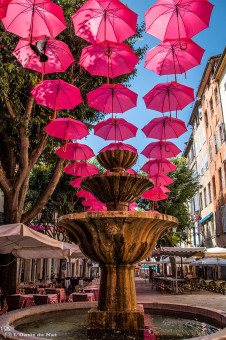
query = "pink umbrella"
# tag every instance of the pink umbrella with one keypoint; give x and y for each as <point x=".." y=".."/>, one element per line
<point x="119" y="146"/>
<point x="176" y="19"/>
<point x="97" y="206"/>
<point x="162" y="149"/>
<point x="45" y="55"/>
<point x="155" y="165"/>
<point x="3" y="8"/>
<point x="75" y="151"/>
<point x="166" y="97"/>
<point x="112" y="99"/>
<point x="57" y="95"/>
<point x="164" y="128"/>
<point x="155" y="194"/>
<point x="77" y="182"/>
<point x="86" y="194"/>
<point x="131" y="172"/>
<point x="164" y="189"/>
<point x="32" y="18"/>
<point x="99" y="20"/>
<point x="67" y="128"/>
<point x="132" y="206"/>
<point x="81" y="169"/>
<point x="115" y="129"/>
<point x="168" y="58"/>
<point x="161" y="179"/>
<point x="118" y="59"/>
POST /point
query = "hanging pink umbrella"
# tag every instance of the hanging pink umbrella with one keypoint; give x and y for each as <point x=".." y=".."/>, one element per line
<point x="98" y="20"/>
<point x="131" y="171"/>
<point x="168" y="58"/>
<point x="3" y="8"/>
<point x="164" y="189"/>
<point x="161" y="149"/>
<point x="81" y="169"/>
<point x="164" y="128"/>
<point x="119" y="146"/>
<point x="86" y="194"/>
<point x="77" y="182"/>
<point x="45" y="55"/>
<point x="132" y="206"/>
<point x="115" y="129"/>
<point x="57" y="94"/>
<point x="112" y="61"/>
<point x="67" y="128"/>
<point x="158" y="165"/>
<point x="161" y="179"/>
<point x="166" y="97"/>
<point x="112" y="99"/>
<point x="75" y="151"/>
<point x="176" y="19"/>
<point x="95" y="206"/>
<point x="32" y="18"/>
<point x="155" y="194"/>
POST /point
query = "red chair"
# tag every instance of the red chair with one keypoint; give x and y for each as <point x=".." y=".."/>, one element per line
<point x="13" y="302"/>
<point x="41" y="299"/>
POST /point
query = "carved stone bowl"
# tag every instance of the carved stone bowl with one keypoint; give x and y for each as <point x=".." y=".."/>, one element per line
<point x="117" y="160"/>
<point x="117" y="190"/>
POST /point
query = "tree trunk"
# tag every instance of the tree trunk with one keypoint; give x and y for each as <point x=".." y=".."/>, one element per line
<point x="8" y="270"/>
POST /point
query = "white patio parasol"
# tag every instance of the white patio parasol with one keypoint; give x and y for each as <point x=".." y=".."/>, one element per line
<point x="215" y="252"/>
<point x="72" y="251"/>
<point x="209" y="261"/>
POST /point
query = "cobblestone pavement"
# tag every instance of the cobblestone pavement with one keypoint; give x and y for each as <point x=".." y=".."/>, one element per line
<point x="145" y="293"/>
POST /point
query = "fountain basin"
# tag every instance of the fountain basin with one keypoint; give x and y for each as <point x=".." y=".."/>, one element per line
<point x="21" y="316"/>
<point x="117" y="160"/>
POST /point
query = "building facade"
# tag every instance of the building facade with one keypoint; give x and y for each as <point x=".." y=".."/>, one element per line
<point x="211" y="103"/>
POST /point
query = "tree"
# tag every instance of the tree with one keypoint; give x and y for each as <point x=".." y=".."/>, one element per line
<point x="24" y="143"/>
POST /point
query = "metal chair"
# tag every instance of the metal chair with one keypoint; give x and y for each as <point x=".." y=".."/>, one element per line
<point x="79" y="298"/>
<point x="13" y="302"/>
<point x="41" y="299"/>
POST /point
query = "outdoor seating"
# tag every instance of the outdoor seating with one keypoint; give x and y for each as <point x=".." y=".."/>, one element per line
<point x="50" y="291"/>
<point x="13" y="302"/>
<point x="41" y="299"/>
<point x="195" y="283"/>
<point x="79" y="298"/>
<point x="28" y="290"/>
<point x="222" y="288"/>
<point x="212" y="286"/>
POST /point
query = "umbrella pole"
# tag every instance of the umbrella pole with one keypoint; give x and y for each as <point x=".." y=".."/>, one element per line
<point x="178" y="27"/>
<point x="55" y="110"/>
<point x="32" y="22"/>
<point x="169" y="103"/>
<point x="174" y="66"/>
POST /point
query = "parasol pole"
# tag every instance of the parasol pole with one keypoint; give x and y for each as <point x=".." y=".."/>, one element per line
<point x="105" y="34"/>
<point x="164" y="126"/>
<point x="174" y="66"/>
<point x="178" y="27"/>
<point x="55" y="109"/>
<point x="169" y="103"/>
<point x="32" y="22"/>
<point x="66" y="134"/>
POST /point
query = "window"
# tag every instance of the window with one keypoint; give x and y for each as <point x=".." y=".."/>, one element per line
<point x="205" y="197"/>
<point x="209" y="192"/>
<point x="214" y="187"/>
<point x="210" y="150"/>
<point x="206" y="162"/>
<point x="216" y="141"/>
<point x="224" y="174"/>
<point x="203" y="135"/>
<point x="195" y="125"/>
<point x="200" y="201"/>
<point x="206" y="119"/>
<point x="220" y="179"/>
<point x="211" y="107"/>
<point x="200" y="143"/>
<point x="196" y="150"/>
<point x="202" y="168"/>
<point x="198" y="173"/>
<point x="225" y="86"/>
<point x="200" y="112"/>
<point x="216" y="96"/>
<point x="221" y="133"/>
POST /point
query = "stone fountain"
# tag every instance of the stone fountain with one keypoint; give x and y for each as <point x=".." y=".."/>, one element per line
<point x="117" y="239"/>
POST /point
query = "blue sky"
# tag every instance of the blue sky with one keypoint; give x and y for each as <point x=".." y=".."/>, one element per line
<point x="212" y="39"/>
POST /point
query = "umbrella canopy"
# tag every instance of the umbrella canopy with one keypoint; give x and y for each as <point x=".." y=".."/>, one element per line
<point x="166" y="97"/>
<point x="209" y="261"/>
<point x="175" y="19"/>
<point x="75" y="151"/>
<point x="67" y="128"/>
<point x="57" y="94"/>
<point x="86" y="194"/>
<point x="32" y="18"/>
<point x="168" y="58"/>
<point x="177" y="251"/>
<point x="72" y="251"/>
<point x="155" y="194"/>
<point x="215" y="252"/>
<point x="162" y="149"/>
<point x="95" y="205"/>
<point x="46" y="55"/>
<point x="160" y="179"/>
<point x="111" y="60"/>
<point x="3" y="8"/>
<point x="155" y="165"/>
<point x="132" y="206"/>
<point x="164" y="189"/>
<point x="77" y="182"/>
<point x="131" y="171"/>
<point x="27" y="243"/>
<point x="81" y="169"/>
<point x="99" y="20"/>
<point x="163" y="128"/>
<point x="112" y="99"/>
<point x="115" y="129"/>
<point x="119" y="146"/>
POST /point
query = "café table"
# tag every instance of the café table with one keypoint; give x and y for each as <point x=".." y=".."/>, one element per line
<point x="90" y="296"/>
<point x="94" y="290"/>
